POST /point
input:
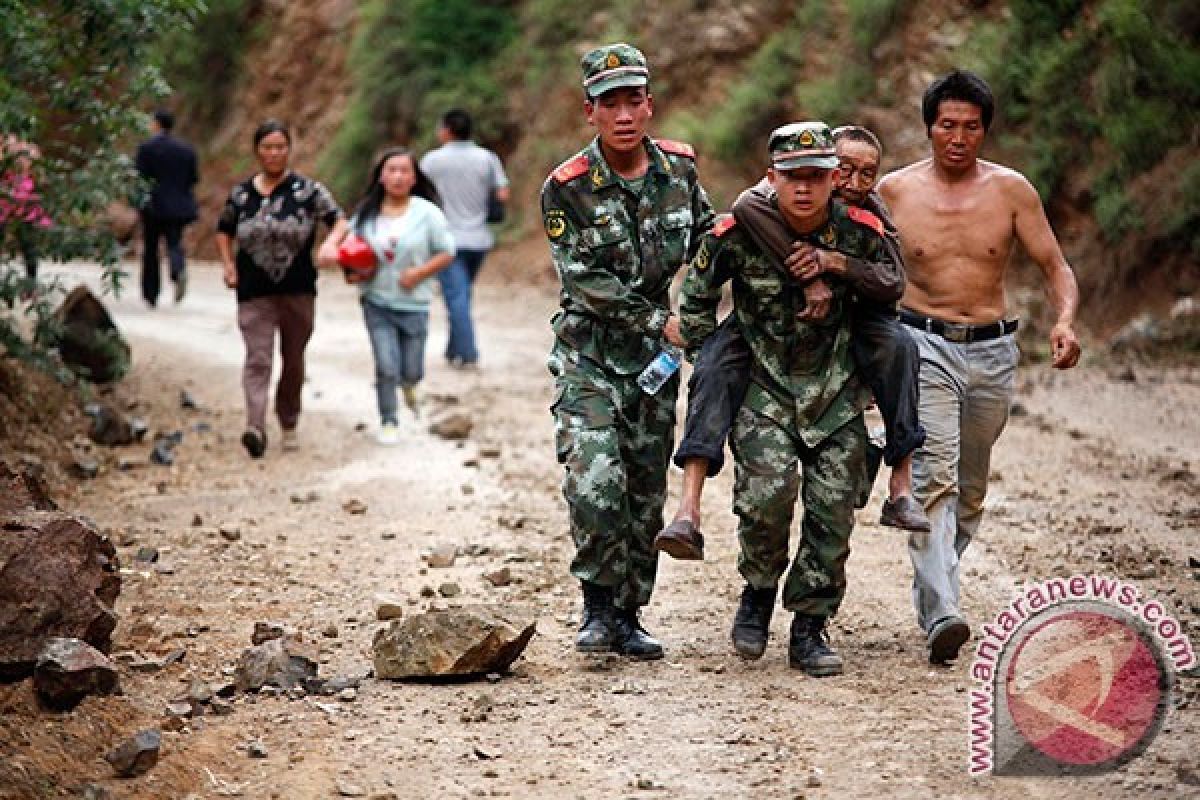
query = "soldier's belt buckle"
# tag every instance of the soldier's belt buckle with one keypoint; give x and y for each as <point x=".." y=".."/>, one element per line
<point x="957" y="333"/>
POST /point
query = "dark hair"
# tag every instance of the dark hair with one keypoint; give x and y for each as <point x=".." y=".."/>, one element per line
<point x="458" y="122"/>
<point x="372" y="200"/>
<point x="268" y="127"/>
<point x="857" y="133"/>
<point x="165" y="119"/>
<point x="958" y="85"/>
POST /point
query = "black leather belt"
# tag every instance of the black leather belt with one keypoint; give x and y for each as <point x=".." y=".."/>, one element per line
<point x="959" y="333"/>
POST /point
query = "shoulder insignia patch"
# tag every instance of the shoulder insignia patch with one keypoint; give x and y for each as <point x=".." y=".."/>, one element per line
<point x="676" y="148"/>
<point x="571" y="169"/>
<point x="864" y="217"/>
<point x="724" y="224"/>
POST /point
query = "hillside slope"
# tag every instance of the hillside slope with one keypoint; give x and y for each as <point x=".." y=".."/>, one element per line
<point x="351" y="76"/>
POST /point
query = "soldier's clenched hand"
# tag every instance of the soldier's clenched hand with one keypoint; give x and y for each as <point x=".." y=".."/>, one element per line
<point x="818" y="298"/>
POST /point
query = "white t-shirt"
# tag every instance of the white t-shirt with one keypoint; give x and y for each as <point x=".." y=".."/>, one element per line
<point x="401" y="243"/>
<point x="463" y="173"/>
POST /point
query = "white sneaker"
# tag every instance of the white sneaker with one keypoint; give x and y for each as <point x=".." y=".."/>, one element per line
<point x="389" y="434"/>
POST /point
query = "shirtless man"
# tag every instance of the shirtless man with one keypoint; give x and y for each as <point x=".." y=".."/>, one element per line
<point x="958" y="218"/>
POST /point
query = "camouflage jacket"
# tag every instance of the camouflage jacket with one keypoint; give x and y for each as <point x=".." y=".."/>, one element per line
<point x="617" y="251"/>
<point x="803" y="375"/>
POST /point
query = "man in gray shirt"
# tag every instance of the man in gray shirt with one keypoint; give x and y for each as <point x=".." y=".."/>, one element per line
<point x="464" y="174"/>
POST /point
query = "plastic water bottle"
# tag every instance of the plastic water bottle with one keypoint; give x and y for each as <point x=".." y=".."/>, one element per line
<point x="660" y="370"/>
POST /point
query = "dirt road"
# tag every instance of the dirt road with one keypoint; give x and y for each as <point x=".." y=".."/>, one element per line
<point x="1096" y="474"/>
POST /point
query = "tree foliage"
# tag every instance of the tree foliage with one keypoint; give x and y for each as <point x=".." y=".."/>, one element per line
<point x="74" y="76"/>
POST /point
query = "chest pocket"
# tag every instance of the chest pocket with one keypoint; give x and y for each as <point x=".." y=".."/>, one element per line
<point x="677" y="238"/>
<point x="768" y="298"/>
<point x="610" y="247"/>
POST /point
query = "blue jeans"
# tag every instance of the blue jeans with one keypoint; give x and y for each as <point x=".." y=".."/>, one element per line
<point x="456" y="281"/>
<point x="398" y="343"/>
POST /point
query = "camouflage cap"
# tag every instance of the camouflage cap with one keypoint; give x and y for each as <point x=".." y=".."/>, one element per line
<point x="802" y="144"/>
<point x="613" y="66"/>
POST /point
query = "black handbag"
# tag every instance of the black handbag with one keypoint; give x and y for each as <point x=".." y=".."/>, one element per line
<point x="495" y="208"/>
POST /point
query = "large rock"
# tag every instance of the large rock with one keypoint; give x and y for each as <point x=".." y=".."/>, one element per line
<point x="109" y="426"/>
<point x="68" y="670"/>
<point x="58" y="578"/>
<point x="285" y="662"/>
<point x="89" y="341"/>
<point x="466" y="641"/>
<point x="136" y="756"/>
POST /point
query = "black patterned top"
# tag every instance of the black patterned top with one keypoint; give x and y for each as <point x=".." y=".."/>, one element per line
<point x="275" y="235"/>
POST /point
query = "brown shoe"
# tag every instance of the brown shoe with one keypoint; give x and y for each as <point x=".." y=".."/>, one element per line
<point x="904" y="512"/>
<point x="681" y="540"/>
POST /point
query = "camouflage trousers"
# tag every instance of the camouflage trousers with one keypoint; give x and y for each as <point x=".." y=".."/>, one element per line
<point x="769" y="463"/>
<point x="615" y="441"/>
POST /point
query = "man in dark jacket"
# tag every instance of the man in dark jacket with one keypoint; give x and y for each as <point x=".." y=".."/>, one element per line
<point x="169" y="164"/>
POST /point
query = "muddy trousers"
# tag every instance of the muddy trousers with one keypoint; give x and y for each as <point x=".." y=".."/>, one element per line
<point x="614" y="441"/>
<point x="292" y="316"/>
<point x="884" y="353"/>
<point x="966" y="390"/>
<point x="769" y="466"/>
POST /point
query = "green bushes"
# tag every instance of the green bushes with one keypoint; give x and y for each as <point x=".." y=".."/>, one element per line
<point x="1103" y="87"/>
<point x="410" y="61"/>
<point x="202" y="63"/>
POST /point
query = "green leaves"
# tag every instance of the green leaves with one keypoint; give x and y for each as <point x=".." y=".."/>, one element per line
<point x="74" y="76"/>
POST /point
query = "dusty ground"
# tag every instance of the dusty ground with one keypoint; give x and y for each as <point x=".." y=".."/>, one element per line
<point x="1098" y="474"/>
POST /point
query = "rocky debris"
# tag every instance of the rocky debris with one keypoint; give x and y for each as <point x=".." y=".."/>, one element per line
<point x="229" y="533"/>
<point x="59" y="578"/>
<point x="453" y="426"/>
<point x="443" y="556"/>
<point x="163" y="452"/>
<point x="94" y="791"/>
<point x="348" y="695"/>
<point x="449" y="589"/>
<point x="84" y="466"/>
<point x="490" y="451"/>
<point x="181" y="709"/>
<point x="310" y="496"/>
<point x="354" y="506"/>
<point x="136" y="756"/>
<point x="68" y="670"/>
<point x="222" y="708"/>
<point x="347" y="789"/>
<point x="499" y="577"/>
<point x="23" y="486"/>
<point x="256" y="749"/>
<point x="146" y="555"/>
<point x="266" y="631"/>
<point x="187" y="402"/>
<point x="87" y="340"/>
<point x="109" y="426"/>
<point x="468" y="641"/>
<point x="285" y="662"/>
<point x="388" y="606"/>
<point x="330" y="631"/>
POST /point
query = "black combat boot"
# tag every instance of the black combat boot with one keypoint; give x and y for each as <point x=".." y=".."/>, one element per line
<point x="809" y="648"/>
<point x="596" y="632"/>
<point x="752" y="622"/>
<point x="632" y="639"/>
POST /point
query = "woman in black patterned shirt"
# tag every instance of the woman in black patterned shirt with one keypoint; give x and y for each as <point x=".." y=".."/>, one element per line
<point x="273" y="219"/>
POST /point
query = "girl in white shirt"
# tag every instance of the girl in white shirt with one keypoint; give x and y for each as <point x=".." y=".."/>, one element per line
<point x="400" y="218"/>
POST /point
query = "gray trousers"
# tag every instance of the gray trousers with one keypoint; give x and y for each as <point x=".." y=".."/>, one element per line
<point x="965" y="394"/>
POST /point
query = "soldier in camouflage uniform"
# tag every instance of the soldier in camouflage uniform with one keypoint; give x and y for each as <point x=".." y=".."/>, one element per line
<point x="622" y="216"/>
<point x="804" y="404"/>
